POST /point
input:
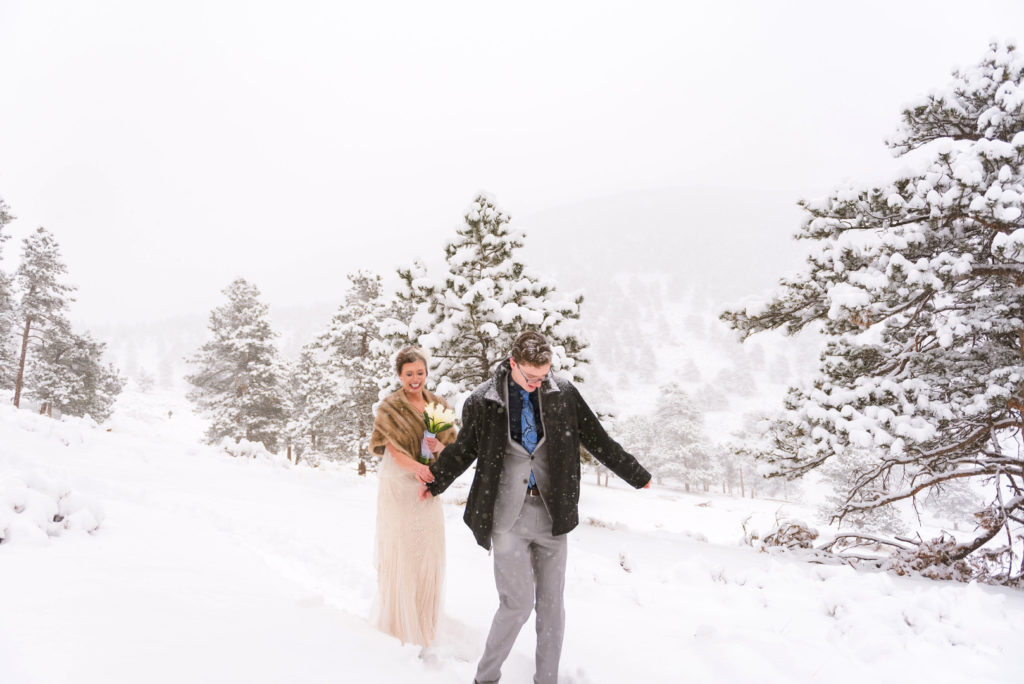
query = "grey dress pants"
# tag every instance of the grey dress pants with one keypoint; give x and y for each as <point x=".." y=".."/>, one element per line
<point x="529" y="571"/>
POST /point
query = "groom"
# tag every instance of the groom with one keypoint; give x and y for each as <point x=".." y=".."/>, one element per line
<point x="525" y="426"/>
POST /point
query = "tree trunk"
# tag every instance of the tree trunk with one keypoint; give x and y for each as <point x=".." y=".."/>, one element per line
<point x="742" y="493"/>
<point x="21" y="363"/>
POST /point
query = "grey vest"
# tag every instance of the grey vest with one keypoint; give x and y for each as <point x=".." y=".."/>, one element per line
<point x="515" y="475"/>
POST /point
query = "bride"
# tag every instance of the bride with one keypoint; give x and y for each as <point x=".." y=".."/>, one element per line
<point x="410" y="550"/>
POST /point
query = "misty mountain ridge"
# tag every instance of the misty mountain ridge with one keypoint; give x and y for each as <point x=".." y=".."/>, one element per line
<point x="655" y="269"/>
<point x="733" y="244"/>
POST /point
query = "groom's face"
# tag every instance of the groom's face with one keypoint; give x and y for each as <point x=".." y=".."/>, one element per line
<point x="529" y="377"/>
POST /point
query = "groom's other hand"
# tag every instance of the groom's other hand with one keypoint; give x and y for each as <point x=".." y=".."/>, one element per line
<point x="424" y="492"/>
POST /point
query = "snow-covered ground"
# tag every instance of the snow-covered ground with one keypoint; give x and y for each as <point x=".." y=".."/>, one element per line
<point x="208" y="568"/>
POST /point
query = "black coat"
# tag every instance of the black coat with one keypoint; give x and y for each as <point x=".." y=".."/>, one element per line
<point x="568" y="423"/>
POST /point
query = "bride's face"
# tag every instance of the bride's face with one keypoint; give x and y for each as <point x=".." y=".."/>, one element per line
<point x="413" y="375"/>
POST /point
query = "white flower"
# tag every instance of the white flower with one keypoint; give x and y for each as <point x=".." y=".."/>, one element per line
<point x="438" y="418"/>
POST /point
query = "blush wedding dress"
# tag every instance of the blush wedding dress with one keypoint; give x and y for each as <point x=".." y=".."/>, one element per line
<point x="409" y="557"/>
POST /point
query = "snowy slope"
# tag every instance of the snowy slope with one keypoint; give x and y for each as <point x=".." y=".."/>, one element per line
<point x="206" y="568"/>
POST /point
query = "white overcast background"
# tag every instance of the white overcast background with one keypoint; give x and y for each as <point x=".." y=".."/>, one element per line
<point x="173" y="146"/>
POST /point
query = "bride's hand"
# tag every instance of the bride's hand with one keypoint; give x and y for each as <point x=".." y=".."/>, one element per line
<point x="435" y="445"/>
<point x="423" y="474"/>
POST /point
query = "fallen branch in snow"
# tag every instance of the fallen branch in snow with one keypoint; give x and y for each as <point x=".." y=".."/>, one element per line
<point x="859" y="539"/>
<point x="942" y="558"/>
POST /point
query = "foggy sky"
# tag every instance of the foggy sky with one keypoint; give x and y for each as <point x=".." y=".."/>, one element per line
<point x="172" y="147"/>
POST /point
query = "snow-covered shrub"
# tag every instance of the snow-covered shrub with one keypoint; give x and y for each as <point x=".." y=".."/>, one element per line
<point x="787" y="534"/>
<point x="940" y="558"/>
<point x="598" y="522"/>
<point x="38" y="507"/>
<point x="792" y="534"/>
<point x="311" y="458"/>
<point x="243" y="448"/>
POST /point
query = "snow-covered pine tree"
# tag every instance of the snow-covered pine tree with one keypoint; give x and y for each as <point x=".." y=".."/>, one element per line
<point x="144" y="380"/>
<point x="639" y="434"/>
<point x="467" y="319"/>
<point x="239" y="379"/>
<point x="6" y="307"/>
<point x="358" y="355"/>
<point x="956" y="501"/>
<point x="736" y="380"/>
<point x="42" y="298"/>
<point x="681" y="449"/>
<point x="839" y="475"/>
<point x="740" y="455"/>
<point x="916" y="285"/>
<point x="688" y="371"/>
<point x="168" y="372"/>
<point x="67" y="373"/>
<point x="313" y="397"/>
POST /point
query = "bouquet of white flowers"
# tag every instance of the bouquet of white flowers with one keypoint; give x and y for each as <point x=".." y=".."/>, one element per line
<point x="437" y="419"/>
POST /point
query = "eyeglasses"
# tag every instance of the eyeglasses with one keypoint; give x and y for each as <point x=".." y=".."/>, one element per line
<point x="531" y="380"/>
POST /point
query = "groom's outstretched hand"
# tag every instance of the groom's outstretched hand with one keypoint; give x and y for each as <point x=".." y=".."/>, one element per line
<point x="424" y="492"/>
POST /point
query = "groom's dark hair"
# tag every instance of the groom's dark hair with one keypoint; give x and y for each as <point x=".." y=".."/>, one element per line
<point x="532" y="349"/>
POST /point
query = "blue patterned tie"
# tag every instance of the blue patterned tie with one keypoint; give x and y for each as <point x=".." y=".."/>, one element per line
<point x="529" y="425"/>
